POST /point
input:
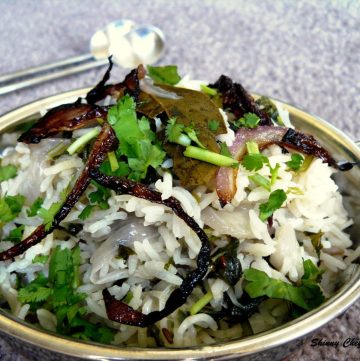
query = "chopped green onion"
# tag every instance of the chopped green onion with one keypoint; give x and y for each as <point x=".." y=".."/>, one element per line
<point x="207" y="90"/>
<point x="80" y="142"/>
<point x="201" y="303"/>
<point x="274" y="173"/>
<point x="184" y="140"/>
<point x="114" y="164"/>
<point x="261" y="181"/>
<point x="209" y="157"/>
<point x="58" y="150"/>
<point x="306" y="163"/>
<point x="252" y="147"/>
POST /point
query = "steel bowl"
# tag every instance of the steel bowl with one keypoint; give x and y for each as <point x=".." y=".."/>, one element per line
<point x="273" y="344"/>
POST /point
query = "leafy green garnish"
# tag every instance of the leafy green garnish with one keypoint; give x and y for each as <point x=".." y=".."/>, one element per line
<point x="35" y="207"/>
<point x="307" y="295"/>
<point x="213" y="125"/>
<point x="275" y="201"/>
<point x="36" y="291"/>
<point x="164" y="74"/>
<point x="85" y="213"/>
<point x="137" y="142"/>
<point x="40" y="258"/>
<point x="180" y="134"/>
<point x="57" y="293"/>
<point x="296" y="161"/>
<point x="249" y="120"/>
<point x="100" y="196"/>
<point x="224" y="150"/>
<point x="7" y="172"/>
<point x="10" y="207"/>
<point x="269" y="107"/>
<point x="261" y="181"/>
<point x="15" y="235"/>
<point x="48" y="214"/>
<point x="254" y="161"/>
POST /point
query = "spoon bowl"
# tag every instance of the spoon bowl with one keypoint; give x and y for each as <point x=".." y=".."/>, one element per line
<point x="130" y="45"/>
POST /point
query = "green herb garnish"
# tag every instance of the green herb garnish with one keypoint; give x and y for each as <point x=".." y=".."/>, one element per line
<point x="207" y="90"/>
<point x="209" y="157"/>
<point x="296" y="161"/>
<point x="48" y="214"/>
<point x="275" y="201"/>
<point x="58" y="294"/>
<point x="40" y="258"/>
<point x="213" y="125"/>
<point x="85" y="213"/>
<point x="10" y="207"/>
<point x="164" y="74"/>
<point x="15" y="235"/>
<point x="35" y="207"/>
<point x="307" y="295"/>
<point x="137" y="142"/>
<point x="7" y="172"/>
<point x="261" y="181"/>
<point x="254" y="161"/>
<point x="180" y="134"/>
<point x="249" y="120"/>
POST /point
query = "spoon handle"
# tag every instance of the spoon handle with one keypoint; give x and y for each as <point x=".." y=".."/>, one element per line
<point x="12" y="77"/>
<point x="37" y="79"/>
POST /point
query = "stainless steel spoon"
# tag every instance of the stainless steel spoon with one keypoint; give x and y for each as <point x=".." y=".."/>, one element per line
<point x="130" y="45"/>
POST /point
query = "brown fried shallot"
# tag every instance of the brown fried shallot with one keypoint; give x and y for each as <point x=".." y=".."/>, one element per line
<point x="105" y="142"/>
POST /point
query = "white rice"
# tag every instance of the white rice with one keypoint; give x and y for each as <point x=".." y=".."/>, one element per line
<point x="165" y="244"/>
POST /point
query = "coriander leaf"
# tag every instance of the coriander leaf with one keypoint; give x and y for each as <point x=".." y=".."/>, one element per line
<point x="122" y="171"/>
<point x="10" y="207"/>
<point x="191" y="133"/>
<point x="34" y="294"/>
<point x="261" y="181"/>
<point x="307" y="295"/>
<point x="100" y="196"/>
<point x="173" y="130"/>
<point x="15" y="235"/>
<point x="7" y="172"/>
<point x="40" y="258"/>
<point x="35" y="291"/>
<point x="249" y="120"/>
<point x="275" y="201"/>
<point x="85" y="213"/>
<point x="48" y="214"/>
<point x="137" y="141"/>
<point x="254" y="161"/>
<point x="164" y="74"/>
<point x="295" y="162"/>
<point x="268" y="107"/>
<point x="213" y="125"/>
<point x="224" y="150"/>
<point x="35" y="207"/>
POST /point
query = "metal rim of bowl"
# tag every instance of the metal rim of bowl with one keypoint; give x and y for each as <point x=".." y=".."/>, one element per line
<point x="288" y="332"/>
